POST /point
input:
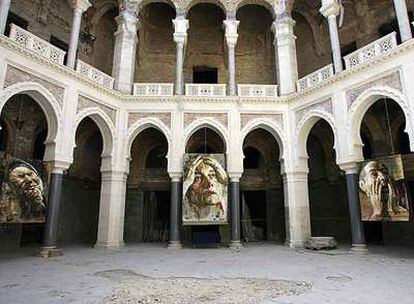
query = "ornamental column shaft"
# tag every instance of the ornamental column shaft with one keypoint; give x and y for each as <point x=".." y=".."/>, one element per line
<point x="285" y="51"/>
<point x="357" y="228"/>
<point x="330" y="9"/>
<point x="79" y="7"/>
<point x="403" y="20"/>
<point x="231" y="25"/>
<point x="49" y="247"/>
<point x="4" y="13"/>
<point x="235" y="212"/>
<point x="181" y="26"/>
<point x="126" y="40"/>
<point x="175" y="212"/>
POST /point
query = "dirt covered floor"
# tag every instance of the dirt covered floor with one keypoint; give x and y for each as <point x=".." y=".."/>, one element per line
<point x="259" y="273"/>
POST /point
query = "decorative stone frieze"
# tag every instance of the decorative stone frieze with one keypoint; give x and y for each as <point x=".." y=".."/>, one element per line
<point x="191" y="117"/>
<point x="246" y="118"/>
<point x="84" y="102"/>
<point x="393" y="80"/>
<point x="323" y="106"/>
<point x="15" y="75"/>
<point x="165" y="117"/>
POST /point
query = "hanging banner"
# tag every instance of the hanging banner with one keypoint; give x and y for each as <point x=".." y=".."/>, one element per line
<point x="22" y="198"/>
<point x="205" y="190"/>
<point x="383" y="193"/>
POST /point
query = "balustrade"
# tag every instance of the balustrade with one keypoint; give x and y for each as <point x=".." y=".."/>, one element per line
<point x="371" y="51"/>
<point x="36" y="44"/>
<point x="201" y="89"/>
<point x="94" y="74"/>
<point x="153" y="89"/>
<point x="253" y="90"/>
<point x="315" y="78"/>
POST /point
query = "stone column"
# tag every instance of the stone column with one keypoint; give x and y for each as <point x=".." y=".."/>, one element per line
<point x="403" y="20"/>
<point x="330" y="9"/>
<point x="49" y="247"/>
<point x="231" y="25"/>
<point x="79" y="7"/>
<point x="357" y="227"/>
<point x="126" y="40"/>
<point x="235" y="212"/>
<point x="175" y="211"/>
<point x="297" y="213"/>
<point x="4" y="13"/>
<point x="112" y="210"/>
<point x="285" y="50"/>
<point x="180" y="37"/>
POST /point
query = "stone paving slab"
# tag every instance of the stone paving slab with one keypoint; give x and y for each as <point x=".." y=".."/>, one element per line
<point x="266" y="273"/>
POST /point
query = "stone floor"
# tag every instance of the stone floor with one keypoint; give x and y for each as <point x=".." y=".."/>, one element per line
<point x="259" y="273"/>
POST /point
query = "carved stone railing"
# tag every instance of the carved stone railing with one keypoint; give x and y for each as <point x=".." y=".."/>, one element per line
<point x="94" y="74"/>
<point x="253" y="90"/>
<point x="201" y="89"/>
<point x="315" y="78"/>
<point x="36" y="45"/>
<point x="153" y="89"/>
<point x="370" y="51"/>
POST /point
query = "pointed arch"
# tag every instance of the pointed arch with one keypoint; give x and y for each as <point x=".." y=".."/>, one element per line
<point x="49" y="106"/>
<point x="364" y="101"/>
<point x="268" y="125"/>
<point x="209" y="123"/>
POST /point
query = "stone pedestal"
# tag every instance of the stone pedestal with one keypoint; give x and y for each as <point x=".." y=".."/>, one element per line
<point x="321" y="243"/>
<point x="112" y="210"/>
<point x="297" y="213"/>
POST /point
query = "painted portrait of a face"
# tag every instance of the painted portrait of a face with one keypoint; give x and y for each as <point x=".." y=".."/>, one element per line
<point x="23" y="192"/>
<point x="205" y="191"/>
<point x="382" y="197"/>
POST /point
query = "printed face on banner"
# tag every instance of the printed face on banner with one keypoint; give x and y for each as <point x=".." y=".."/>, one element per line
<point x="22" y="192"/>
<point x="204" y="190"/>
<point x="383" y="194"/>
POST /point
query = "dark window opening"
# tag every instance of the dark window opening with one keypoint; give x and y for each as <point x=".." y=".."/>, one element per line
<point x="60" y="44"/>
<point x="17" y="20"/>
<point x="251" y="158"/>
<point x="205" y="75"/>
<point x="3" y="137"/>
<point x="157" y="158"/>
<point x="392" y="26"/>
<point x="39" y="147"/>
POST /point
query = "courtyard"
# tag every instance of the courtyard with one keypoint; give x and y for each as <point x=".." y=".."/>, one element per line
<point x="259" y="273"/>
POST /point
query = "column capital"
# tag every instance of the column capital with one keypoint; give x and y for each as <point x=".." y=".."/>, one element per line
<point x="231" y="26"/>
<point x="80" y="5"/>
<point x="235" y="176"/>
<point x="128" y="24"/>
<point x="330" y="8"/>
<point x="349" y="167"/>
<point x="113" y="175"/>
<point x="59" y="166"/>
<point x="181" y="26"/>
<point x="175" y="176"/>
<point x="129" y="6"/>
<point x="282" y="27"/>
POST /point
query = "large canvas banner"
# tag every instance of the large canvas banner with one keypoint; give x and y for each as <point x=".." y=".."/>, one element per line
<point x="22" y="198"/>
<point x="205" y="190"/>
<point x="383" y="194"/>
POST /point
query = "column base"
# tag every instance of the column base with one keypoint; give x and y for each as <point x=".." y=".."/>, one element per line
<point x="175" y="245"/>
<point x="359" y="249"/>
<point x="109" y="245"/>
<point x="49" y="252"/>
<point x="235" y="245"/>
<point x="294" y="244"/>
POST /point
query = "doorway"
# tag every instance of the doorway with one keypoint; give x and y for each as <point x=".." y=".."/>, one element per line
<point x="204" y="74"/>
